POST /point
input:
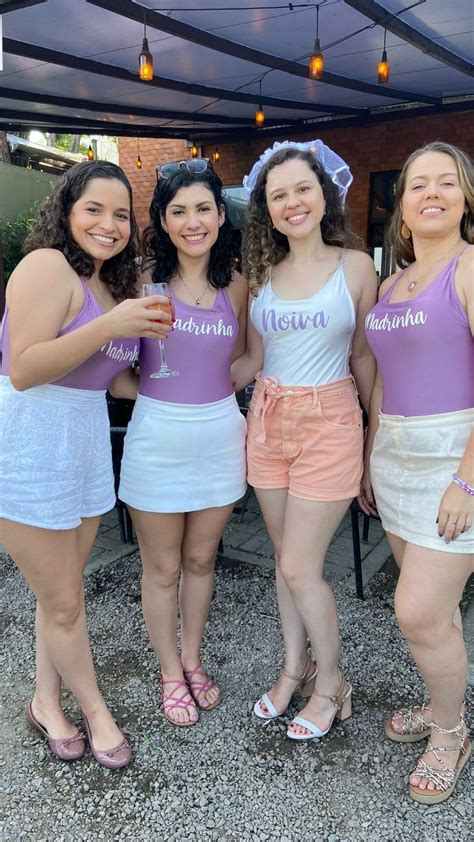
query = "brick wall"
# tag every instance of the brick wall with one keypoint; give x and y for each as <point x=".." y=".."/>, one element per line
<point x="382" y="146"/>
<point x="152" y="152"/>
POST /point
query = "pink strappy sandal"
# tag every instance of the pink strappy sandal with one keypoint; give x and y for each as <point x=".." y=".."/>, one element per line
<point x="170" y="702"/>
<point x="199" y="682"/>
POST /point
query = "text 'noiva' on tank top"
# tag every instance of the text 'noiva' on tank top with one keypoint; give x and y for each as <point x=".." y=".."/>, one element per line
<point x="424" y="349"/>
<point x="200" y="348"/>
<point x="306" y="342"/>
<point x="97" y="372"/>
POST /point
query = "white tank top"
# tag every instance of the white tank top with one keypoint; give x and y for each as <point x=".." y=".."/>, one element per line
<point x="306" y="342"/>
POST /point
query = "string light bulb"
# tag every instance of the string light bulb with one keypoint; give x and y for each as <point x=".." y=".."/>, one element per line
<point x="194" y="150"/>
<point x="145" y="59"/>
<point x="260" y="114"/>
<point x="216" y="155"/>
<point x="90" y="153"/>
<point x="383" y="67"/>
<point x="316" y="61"/>
<point x="138" y="162"/>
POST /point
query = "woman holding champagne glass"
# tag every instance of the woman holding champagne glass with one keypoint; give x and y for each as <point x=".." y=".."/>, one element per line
<point x="71" y="327"/>
<point x="312" y="289"/>
<point x="184" y="453"/>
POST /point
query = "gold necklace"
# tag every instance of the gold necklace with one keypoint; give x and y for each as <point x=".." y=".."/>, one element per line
<point x="197" y="300"/>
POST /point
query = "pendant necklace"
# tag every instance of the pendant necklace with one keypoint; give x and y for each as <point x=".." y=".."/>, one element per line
<point x="411" y="286"/>
<point x="197" y="300"/>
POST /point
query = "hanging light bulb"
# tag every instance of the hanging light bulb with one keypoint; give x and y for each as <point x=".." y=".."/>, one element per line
<point x="260" y="114"/>
<point x="145" y="59"/>
<point x="383" y="67"/>
<point x="194" y="150"/>
<point x="216" y="155"/>
<point x="316" y="61"/>
<point x="90" y="153"/>
<point x="138" y="162"/>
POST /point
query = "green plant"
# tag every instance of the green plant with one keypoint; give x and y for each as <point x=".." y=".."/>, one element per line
<point x="13" y="233"/>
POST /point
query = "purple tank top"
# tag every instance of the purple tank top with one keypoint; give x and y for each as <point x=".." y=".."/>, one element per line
<point x="200" y="347"/>
<point x="97" y="372"/>
<point x="424" y="349"/>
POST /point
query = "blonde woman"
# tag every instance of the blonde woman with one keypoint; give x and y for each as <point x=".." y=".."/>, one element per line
<point x="422" y="458"/>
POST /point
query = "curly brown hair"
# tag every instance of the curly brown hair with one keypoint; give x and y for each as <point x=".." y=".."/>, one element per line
<point x="403" y="247"/>
<point x="52" y="229"/>
<point x="264" y="246"/>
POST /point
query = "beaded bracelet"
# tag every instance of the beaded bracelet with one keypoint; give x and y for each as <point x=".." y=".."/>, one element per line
<point x="461" y="484"/>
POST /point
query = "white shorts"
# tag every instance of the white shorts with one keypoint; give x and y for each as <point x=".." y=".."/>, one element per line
<point x="411" y="465"/>
<point x="183" y="457"/>
<point x="55" y="455"/>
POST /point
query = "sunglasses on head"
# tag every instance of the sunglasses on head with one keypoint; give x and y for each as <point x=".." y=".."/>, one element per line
<point x="193" y="165"/>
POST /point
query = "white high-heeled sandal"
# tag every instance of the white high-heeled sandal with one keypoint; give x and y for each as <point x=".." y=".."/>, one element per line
<point x="304" y="688"/>
<point x="343" y="708"/>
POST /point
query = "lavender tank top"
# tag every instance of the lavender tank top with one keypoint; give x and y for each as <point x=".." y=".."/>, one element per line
<point x="97" y="372"/>
<point x="424" y="349"/>
<point x="200" y="347"/>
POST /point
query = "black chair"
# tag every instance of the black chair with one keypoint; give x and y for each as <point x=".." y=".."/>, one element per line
<point x="356" y="510"/>
<point x="120" y="412"/>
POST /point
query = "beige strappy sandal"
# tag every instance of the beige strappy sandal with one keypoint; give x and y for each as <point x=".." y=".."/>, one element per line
<point x="304" y="688"/>
<point x="414" y="725"/>
<point x="443" y="777"/>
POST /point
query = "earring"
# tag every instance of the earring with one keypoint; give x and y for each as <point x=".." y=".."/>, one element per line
<point x="405" y="232"/>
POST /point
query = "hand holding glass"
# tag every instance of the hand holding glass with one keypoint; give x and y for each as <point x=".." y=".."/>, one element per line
<point x="160" y="289"/>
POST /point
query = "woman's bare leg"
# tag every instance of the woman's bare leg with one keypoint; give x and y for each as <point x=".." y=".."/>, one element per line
<point x="398" y="547"/>
<point x="428" y="592"/>
<point x="49" y="561"/>
<point x="273" y="505"/>
<point x="160" y="537"/>
<point x="46" y="702"/>
<point x="202" y="533"/>
<point x="308" y="530"/>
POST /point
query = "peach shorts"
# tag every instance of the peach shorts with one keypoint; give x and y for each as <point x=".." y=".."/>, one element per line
<point x="306" y="439"/>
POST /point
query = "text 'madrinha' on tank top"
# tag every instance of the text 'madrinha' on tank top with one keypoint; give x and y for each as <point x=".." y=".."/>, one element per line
<point x="97" y="372"/>
<point x="200" y="347"/>
<point x="306" y="342"/>
<point x="424" y="349"/>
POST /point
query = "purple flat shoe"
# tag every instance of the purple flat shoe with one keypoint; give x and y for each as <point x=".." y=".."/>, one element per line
<point x="112" y="758"/>
<point x="71" y="748"/>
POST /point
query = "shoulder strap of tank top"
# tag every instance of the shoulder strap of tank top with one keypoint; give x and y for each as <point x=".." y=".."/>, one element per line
<point x="390" y="289"/>
<point x="458" y="255"/>
<point x="224" y="296"/>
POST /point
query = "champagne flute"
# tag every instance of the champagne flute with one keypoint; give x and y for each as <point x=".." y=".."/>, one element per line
<point x="160" y="289"/>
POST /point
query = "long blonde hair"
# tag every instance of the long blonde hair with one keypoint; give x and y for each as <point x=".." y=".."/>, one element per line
<point x="403" y="247"/>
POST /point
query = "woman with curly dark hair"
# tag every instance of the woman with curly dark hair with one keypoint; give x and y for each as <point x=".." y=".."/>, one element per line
<point x="184" y="455"/>
<point x="312" y="290"/>
<point x="65" y="338"/>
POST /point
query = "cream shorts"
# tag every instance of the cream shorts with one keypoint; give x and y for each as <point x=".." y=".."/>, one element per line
<point x="411" y="465"/>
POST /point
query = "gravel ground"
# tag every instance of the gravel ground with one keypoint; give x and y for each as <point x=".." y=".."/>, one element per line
<point x="230" y="777"/>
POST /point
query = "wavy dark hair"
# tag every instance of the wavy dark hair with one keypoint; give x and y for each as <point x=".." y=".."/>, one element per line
<point x="264" y="246"/>
<point x="159" y="251"/>
<point x="52" y="229"/>
<point x="403" y="246"/>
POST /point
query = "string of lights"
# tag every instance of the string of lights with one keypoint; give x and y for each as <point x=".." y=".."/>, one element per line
<point x="316" y="57"/>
